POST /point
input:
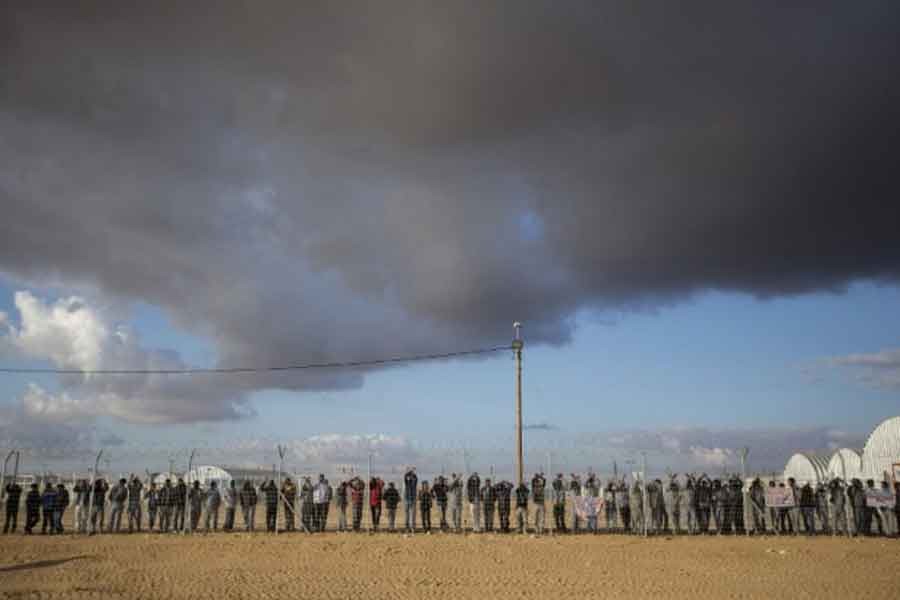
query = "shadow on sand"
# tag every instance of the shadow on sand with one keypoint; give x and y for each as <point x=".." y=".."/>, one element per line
<point x="40" y="564"/>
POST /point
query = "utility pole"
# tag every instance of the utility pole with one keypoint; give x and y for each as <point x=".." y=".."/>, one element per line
<point x="517" y="346"/>
<point x="744" y="493"/>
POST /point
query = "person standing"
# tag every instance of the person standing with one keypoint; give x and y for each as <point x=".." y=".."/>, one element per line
<point x="213" y="501"/>
<point x="703" y="501"/>
<point x="179" y="504"/>
<point x="118" y="497"/>
<point x="98" y="505"/>
<point x="538" y="487"/>
<point x="488" y="502"/>
<point x="439" y="489"/>
<point x="195" y="500"/>
<point x="672" y="504"/>
<point x="473" y="495"/>
<point x="504" y="492"/>
<point x="329" y="496"/>
<point x="342" y="505"/>
<point x="758" y="506"/>
<point x="62" y="503"/>
<point x="357" y="492"/>
<point x="231" y="500"/>
<point x="638" y="524"/>
<point x="425" y="500"/>
<point x="270" y="495"/>
<point x="609" y="505"/>
<point x="289" y="499"/>
<point x="376" y="490"/>
<point x="152" y="498"/>
<point x="858" y="505"/>
<point x="166" y="500"/>
<point x="897" y="507"/>
<point x="321" y="497"/>
<point x="307" y="506"/>
<point x="391" y="502"/>
<point x="808" y="508"/>
<point x="248" y="500"/>
<point x="410" y="488"/>
<point x="574" y="494"/>
<point x="623" y="501"/>
<point x="13" y="497"/>
<point x="455" y="495"/>
<point x="134" y="504"/>
<point x="522" y="507"/>
<point x="559" y="504"/>
<point x="48" y="508"/>
<point x="82" y="492"/>
<point x="794" y="511"/>
<point x="32" y="508"/>
<point x="838" y="500"/>
<point x="717" y="504"/>
<point x="822" y="507"/>
<point x="887" y="512"/>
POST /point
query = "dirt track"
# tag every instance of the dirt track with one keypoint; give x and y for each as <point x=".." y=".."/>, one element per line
<point x="444" y="566"/>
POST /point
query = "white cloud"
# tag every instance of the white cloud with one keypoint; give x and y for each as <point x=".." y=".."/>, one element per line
<point x="70" y="334"/>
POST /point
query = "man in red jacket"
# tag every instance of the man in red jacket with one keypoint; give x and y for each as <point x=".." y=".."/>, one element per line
<point x="376" y="487"/>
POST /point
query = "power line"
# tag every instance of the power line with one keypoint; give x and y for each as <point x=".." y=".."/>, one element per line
<point x="227" y="370"/>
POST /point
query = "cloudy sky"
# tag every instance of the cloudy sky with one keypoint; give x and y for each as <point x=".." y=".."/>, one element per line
<point x="692" y="209"/>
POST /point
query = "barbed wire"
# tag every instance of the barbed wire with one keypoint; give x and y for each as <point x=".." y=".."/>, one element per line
<point x="232" y="370"/>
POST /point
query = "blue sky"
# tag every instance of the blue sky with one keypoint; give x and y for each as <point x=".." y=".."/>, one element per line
<point x="718" y="360"/>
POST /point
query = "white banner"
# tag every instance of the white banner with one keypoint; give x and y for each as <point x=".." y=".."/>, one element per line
<point x="588" y="506"/>
<point x="879" y="498"/>
<point x="779" y="497"/>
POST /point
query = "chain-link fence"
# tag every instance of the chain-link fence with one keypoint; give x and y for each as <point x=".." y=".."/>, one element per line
<point x="453" y="495"/>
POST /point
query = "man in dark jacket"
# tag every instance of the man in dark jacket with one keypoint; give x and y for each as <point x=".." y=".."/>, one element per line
<point x="439" y="489"/>
<point x="342" y="502"/>
<point x="62" y="503"/>
<point x="488" y="502"/>
<point x="32" y="508"/>
<point x="248" y="499"/>
<point x="118" y="498"/>
<point x="357" y="494"/>
<point x="410" y="488"/>
<point x="48" y="507"/>
<point x="503" y="491"/>
<point x="82" y="505"/>
<point x="473" y="496"/>
<point x="559" y="504"/>
<point x="270" y="491"/>
<point x="152" y="497"/>
<point x="98" y="505"/>
<point x="758" y="506"/>
<point x="13" y="496"/>
<point x="178" y="506"/>
<point x="166" y="506"/>
<point x="522" y="507"/>
<point x="391" y="502"/>
<point x="135" y="516"/>
<point x="425" y="501"/>
<point x="808" y="508"/>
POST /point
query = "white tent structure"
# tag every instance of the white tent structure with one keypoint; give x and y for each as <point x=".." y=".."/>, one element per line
<point x="846" y="464"/>
<point x="206" y="474"/>
<point x="804" y="467"/>
<point x="882" y="449"/>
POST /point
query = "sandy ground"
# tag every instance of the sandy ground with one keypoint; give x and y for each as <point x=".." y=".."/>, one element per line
<point x="335" y="565"/>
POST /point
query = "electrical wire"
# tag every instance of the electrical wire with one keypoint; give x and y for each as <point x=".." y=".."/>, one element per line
<point x="230" y="370"/>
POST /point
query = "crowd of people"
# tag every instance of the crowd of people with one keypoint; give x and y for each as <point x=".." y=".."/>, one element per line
<point x="690" y="504"/>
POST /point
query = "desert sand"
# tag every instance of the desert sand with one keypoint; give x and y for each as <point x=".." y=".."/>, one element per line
<point x="360" y="565"/>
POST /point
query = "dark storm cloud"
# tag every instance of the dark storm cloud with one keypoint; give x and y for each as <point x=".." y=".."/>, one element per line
<point x="320" y="180"/>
